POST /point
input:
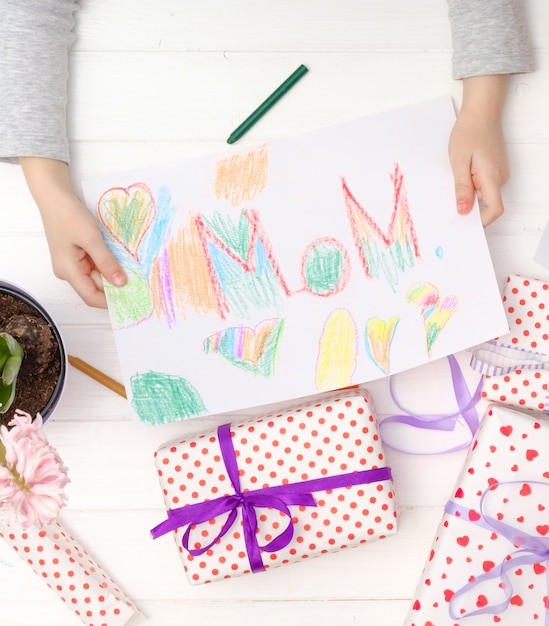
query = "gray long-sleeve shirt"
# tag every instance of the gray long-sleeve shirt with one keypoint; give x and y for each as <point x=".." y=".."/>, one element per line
<point x="35" y="39"/>
<point x="489" y="37"/>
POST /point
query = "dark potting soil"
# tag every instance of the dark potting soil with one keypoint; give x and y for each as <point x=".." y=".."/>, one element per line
<point x="41" y="366"/>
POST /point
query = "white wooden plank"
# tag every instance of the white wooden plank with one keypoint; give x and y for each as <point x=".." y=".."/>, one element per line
<point x="217" y="613"/>
<point x="145" y="568"/>
<point x="308" y="613"/>
<point x="240" y="25"/>
<point x="203" y="96"/>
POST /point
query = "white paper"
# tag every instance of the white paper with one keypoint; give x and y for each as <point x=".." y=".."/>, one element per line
<point x="358" y="266"/>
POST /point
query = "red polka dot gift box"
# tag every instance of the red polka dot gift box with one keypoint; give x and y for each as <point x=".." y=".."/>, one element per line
<point x="516" y="366"/>
<point x="489" y="561"/>
<point x="69" y="571"/>
<point x="277" y="489"/>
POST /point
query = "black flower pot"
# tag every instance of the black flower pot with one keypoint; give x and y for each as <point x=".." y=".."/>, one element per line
<point x="44" y="369"/>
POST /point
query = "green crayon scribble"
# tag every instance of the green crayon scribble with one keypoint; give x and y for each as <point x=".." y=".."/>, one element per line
<point x="132" y="302"/>
<point x="159" y="398"/>
<point x="324" y="268"/>
<point x="235" y="236"/>
<point x="401" y="256"/>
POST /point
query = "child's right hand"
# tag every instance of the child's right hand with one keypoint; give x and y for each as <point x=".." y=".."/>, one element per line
<point x="78" y="252"/>
<point x="477" y="150"/>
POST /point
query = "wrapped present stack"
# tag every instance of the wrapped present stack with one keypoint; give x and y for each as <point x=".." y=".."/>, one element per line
<point x="277" y="489"/>
<point x="516" y="366"/>
<point x="489" y="561"/>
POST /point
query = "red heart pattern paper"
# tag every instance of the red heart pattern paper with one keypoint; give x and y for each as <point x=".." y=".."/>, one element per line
<point x="506" y="493"/>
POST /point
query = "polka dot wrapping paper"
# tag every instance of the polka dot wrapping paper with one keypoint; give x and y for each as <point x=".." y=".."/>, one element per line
<point x="293" y="450"/>
<point x="516" y="365"/>
<point x="489" y="561"/>
<point x="72" y="574"/>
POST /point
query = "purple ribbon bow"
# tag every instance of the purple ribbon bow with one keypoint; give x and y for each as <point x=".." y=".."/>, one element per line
<point x="278" y="497"/>
<point x="530" y="550"/>
<point x="466" y="403"/>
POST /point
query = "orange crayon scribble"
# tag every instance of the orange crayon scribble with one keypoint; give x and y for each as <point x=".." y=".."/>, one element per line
<point x="240" y="177"/>
<point x="257" y="340"/>
<point x="190" y="272"/>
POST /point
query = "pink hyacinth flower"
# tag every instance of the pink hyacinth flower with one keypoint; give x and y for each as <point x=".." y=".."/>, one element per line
<point x="32" y="475"/>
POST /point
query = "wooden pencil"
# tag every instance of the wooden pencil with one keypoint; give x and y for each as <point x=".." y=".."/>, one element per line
<point x="97" y="375"/>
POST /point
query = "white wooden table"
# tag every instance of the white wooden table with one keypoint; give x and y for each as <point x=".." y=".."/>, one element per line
<point x="158" y="80"/>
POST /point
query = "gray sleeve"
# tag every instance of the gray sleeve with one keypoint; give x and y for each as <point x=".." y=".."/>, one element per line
<point x="489" y="37"/>
<point x="35" y="39"/>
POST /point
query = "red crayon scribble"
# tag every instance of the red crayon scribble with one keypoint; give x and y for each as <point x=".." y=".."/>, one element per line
<point x="366" y="231"/>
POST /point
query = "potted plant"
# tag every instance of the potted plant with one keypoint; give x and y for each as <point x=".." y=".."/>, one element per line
<point x="33" y="360"/>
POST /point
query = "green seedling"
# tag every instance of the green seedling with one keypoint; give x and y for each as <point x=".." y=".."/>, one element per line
<point x="11" y="357"/>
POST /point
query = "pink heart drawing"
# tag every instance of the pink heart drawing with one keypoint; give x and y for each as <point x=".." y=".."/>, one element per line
<point x="127" y="213"/>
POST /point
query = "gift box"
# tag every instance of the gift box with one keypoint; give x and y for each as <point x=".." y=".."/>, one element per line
<point x="488" y="562"/>
<point x="516" y="366"/>
<point x="70" y="572"/>
<point x="277" y="489"/>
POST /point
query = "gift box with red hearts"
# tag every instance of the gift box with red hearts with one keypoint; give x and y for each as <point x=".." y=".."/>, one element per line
<point x="516" y="366"/>
<point x="489" y="560"/>
<point x="277" y="489"/>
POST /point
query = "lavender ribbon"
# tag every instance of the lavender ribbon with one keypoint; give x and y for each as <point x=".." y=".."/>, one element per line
<point x="278" y="497"/>
<point x="496" y="359"/>
<point x="466" y="403"/>
<point x="531" y="550"/>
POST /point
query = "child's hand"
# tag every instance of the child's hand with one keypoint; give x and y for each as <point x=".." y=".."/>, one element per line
<point x="78" y="253"/>
<point x="477" y="147"/>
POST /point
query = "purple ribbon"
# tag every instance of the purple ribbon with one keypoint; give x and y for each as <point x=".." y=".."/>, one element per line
<point x="531" y="550"/>
<point x="278" y="497"/>
<point x="440" y="421"/>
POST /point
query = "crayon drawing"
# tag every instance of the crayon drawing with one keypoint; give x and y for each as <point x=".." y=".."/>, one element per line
<point x="252" y="349"/>
<point x="240" y="178"/>
<point x="293" y="267"/>
<point x="337" y="352"/>
<point x="385" y="255"/>
<point x="158" y="398"/>
<point x="435" y="313"/>
<point x="379" y="337"/>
